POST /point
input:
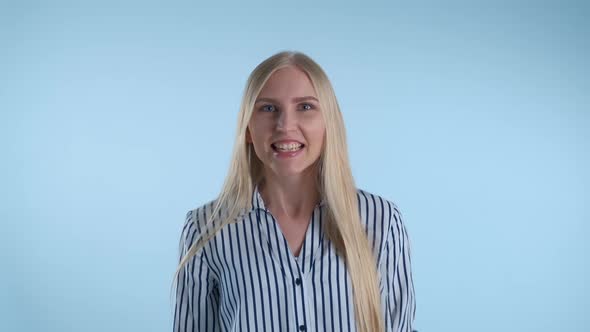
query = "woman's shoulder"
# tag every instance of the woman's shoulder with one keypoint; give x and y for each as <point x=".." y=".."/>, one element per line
<point x="372" y="202"/>
<point x="381" y="218"/>
<point x="379" y="214"/>
<point x="195" y="221"/>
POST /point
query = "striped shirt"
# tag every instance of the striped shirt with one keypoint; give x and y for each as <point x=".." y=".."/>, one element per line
<point x="247" y="279"/>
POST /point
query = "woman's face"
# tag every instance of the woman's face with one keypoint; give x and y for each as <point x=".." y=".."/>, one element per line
<point x="286" y="127"/>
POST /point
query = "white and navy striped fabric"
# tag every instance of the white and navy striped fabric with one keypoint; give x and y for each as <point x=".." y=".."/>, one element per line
<point x="247" y="279"/>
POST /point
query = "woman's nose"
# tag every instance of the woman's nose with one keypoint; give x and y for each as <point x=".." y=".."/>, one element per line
<point x="286" y="119"/>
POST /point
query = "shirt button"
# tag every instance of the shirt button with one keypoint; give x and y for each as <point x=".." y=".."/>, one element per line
<point x="298" y="282"/>
<point x="301" y="327"/>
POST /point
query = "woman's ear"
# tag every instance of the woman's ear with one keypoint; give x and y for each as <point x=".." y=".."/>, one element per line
<point x="248" y="137"/>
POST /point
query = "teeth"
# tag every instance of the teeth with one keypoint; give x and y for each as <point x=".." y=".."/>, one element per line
<point x="288" y="147"/>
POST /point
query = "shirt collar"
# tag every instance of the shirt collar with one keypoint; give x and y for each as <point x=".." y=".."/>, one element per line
<point x="258" y="203"/>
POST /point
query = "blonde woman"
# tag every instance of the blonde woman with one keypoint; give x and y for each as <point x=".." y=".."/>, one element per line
<point x="291" y="244"/>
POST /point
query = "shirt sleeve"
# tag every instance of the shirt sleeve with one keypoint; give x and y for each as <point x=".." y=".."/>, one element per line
<point x="396" y="274"/>
<point x="197" y="296"/>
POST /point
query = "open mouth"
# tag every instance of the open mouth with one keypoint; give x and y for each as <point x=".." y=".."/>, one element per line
<point x="287" y="147"/>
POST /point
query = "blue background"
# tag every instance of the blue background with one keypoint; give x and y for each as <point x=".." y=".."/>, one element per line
<point x="117" y="118"/>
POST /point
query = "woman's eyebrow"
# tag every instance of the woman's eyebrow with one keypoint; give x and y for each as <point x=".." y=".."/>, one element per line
<point x="293" y="100"/>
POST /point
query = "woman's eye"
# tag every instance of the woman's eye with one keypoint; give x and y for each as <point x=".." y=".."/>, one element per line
<point x="307" y="107"/>
<point x="268" y="108"/>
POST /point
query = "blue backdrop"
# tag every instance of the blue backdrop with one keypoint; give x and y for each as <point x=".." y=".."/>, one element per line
<point x="118" y="117"/>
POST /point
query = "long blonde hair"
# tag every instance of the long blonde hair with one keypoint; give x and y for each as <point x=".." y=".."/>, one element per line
<point x="343" y="225"/>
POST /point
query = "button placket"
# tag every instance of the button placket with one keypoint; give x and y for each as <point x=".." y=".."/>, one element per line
<point x="300" y="299"/>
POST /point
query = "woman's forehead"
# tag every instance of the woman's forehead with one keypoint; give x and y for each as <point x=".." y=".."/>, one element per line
<point x="287" y="83"/>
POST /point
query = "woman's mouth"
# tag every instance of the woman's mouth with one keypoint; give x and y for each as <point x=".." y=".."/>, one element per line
<point x="287" y="150"/>
<point x="290" y="147"/>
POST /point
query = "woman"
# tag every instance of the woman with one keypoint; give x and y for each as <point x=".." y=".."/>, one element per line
<point x="291" y="244"/>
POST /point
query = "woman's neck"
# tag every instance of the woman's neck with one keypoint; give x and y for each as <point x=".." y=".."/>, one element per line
<point x="293" y="196"/>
